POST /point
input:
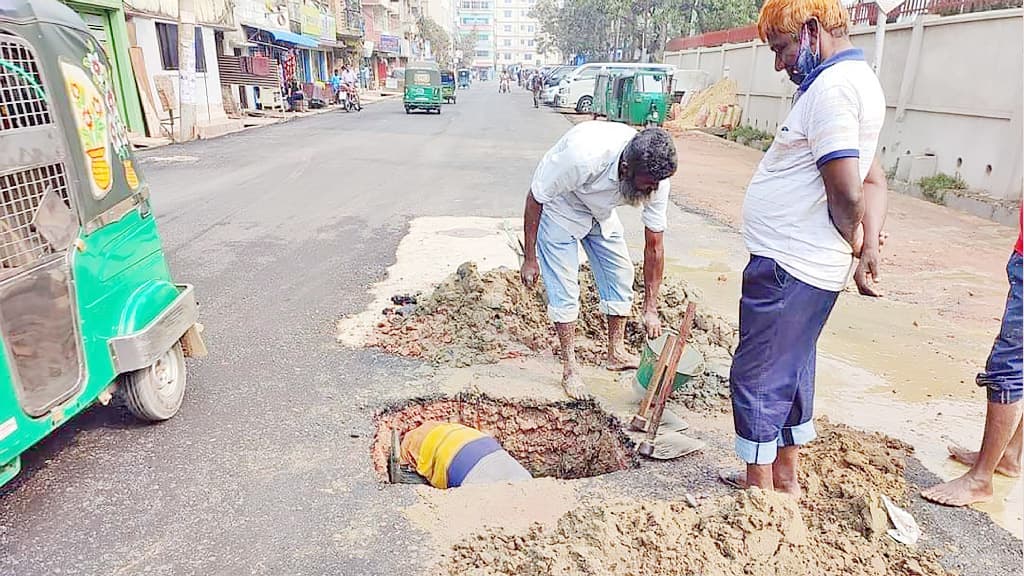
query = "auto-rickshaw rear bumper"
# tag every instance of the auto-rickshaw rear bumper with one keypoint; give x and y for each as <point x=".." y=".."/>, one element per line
<point x="141" y="348"/>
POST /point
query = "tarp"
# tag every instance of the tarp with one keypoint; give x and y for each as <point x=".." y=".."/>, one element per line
<point x="293" y="38"/>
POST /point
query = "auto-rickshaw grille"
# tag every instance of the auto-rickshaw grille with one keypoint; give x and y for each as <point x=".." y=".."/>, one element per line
<point x="21" y="193"/>
<point x="22" y="96"/>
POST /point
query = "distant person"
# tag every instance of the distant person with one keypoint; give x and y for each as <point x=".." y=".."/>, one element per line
<point x="351" y="84"/>
<point x="335" y="82"/>
<point x="594" y="168"/>
<point x="815" y="203"/>
<point x="295" y="96"/>
<point x="536" y="85"/>
<point x="1002" y="443"/>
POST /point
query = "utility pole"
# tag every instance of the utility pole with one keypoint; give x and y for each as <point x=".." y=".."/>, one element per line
<point x="187" y="70"/>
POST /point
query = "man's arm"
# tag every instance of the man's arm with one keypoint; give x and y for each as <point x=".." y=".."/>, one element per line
<point x="876" y="202"/>
<point x="531" y="221"/>
<point x="654" y="267"/>
<point x="845" y="194"/>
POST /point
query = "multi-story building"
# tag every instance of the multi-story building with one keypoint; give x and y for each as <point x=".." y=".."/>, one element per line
<point x="476" y="17"/>
<point x="442" y="12"/>
<point x="515" y="35"/>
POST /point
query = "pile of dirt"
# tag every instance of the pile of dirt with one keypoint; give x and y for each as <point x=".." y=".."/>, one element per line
<point x="474" y="318"/>
<point x="715" y="106"/>
<point x="743" y="533"/>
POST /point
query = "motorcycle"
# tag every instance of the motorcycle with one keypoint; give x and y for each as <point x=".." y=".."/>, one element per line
<point x="346" y="100"/>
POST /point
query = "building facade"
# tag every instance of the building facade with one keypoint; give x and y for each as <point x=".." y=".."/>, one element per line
<point x="476" y="19"/>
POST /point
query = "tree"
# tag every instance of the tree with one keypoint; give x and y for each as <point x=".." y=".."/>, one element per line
<point x="466" y="43"/>
<point x="600" y="29"/>
<point x="440" y="43"/>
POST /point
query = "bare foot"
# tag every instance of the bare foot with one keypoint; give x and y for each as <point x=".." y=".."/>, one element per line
<point x="1006" y="466"/>
<point x="620" y="361"/>
<point x="572" y="383"/>
<point x="963" y="491"/>
<point x="738" y="479"/>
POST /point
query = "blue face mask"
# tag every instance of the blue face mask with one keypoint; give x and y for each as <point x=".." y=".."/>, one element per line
<point x="807" y="59"/>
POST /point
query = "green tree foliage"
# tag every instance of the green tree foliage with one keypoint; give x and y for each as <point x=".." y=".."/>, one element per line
<point x="440" y="43"/>
<point x="597" y="28"/>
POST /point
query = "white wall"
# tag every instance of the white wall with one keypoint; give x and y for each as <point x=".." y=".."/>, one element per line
<point x="953" y="86"/>
<point x="209" y="103"/>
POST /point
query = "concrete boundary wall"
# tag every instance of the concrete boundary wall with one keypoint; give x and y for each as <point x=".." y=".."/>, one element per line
<point x="953" y="86"/>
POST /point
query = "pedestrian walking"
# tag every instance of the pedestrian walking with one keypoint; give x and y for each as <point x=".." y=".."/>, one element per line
<point x="816" y="201"/>
<point x="595" y="167"/>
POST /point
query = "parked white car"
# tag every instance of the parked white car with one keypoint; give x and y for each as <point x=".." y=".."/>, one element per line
<point x="576" y="90"/>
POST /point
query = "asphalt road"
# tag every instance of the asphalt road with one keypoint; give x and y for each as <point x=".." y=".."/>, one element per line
<point x="266" y="469"/>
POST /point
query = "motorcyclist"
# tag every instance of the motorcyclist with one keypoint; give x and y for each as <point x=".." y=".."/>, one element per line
<point x="350" y="82"/>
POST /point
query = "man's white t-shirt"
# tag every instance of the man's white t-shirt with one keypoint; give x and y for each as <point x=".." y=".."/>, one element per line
<point x="785" y="211"/>
<point x="349" y="77"/>
<point x="577" y="181"/>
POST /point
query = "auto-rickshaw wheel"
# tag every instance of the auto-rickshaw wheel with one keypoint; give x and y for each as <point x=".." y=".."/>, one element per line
<point x="408" y="110"/>
<point x="155" y="393"/>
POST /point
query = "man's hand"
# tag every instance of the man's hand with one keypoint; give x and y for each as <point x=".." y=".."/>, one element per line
<point x="869" y="266"/>
<point x="652" y="322"/>
<point x="529" y="271"/>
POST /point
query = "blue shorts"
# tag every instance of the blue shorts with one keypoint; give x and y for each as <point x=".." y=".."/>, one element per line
<point x="1002" y="375"/>
<point x="559" y="254"/>
<point x="772" y="377"/>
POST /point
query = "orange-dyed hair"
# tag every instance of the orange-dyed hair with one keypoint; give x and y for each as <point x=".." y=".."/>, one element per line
<point x="787" y="16"/>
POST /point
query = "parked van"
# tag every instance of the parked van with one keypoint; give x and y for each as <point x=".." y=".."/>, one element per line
<point x="576" y="90"/>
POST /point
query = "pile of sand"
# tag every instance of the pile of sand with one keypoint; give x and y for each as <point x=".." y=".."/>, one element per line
<point x="474" y="318"/>
<point x="749" y="533"/>
<point x="716" y="105"/>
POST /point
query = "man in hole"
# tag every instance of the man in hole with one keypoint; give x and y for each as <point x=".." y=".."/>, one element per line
<point x="594" y="168"/>
<point x="450" y="455"/>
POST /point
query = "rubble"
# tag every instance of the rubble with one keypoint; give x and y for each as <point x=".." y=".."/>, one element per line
<point x="749" y="532"/>
<point x="473" y="318"/>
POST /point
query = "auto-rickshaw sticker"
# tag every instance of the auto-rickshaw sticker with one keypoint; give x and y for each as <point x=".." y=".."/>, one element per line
<point x="118" y="130"/>
<point x="90" y="115"/>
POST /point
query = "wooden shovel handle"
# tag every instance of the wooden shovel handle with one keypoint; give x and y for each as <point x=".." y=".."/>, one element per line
<point x="659" y="370"/>
<point x="670" y="371"/>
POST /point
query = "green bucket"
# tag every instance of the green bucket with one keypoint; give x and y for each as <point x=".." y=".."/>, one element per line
<point x="690" y="364"/>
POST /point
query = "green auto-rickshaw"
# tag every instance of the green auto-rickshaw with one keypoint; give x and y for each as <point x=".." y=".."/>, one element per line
<point x="602" y="89"/>
<point x="464" y="77"/>
<point x="88" y="308"/>
<point x="422" y="87"/>
<point x="638" y="98"/>
<point x="448" y="86"/>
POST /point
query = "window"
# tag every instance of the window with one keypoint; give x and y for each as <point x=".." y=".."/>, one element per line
<point x="529" y="42"/>
<point x="528" y="57"/>
<point x="587" y="73"/>
<point x="167" y="38"/>
<point x="522" y="27"/>
<point x="508" y="42"/>
<point x="476" y="5"/>
<point x="508" y="13"/>
<point x="483" y="53"/>
<point x="529" y="28"/>
<point x="508" y="28"/>
<point x="508" y="55"/>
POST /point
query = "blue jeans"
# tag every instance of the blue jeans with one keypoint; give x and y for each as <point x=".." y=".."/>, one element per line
<point x="558" y="253"/>
<point x="772" y="376"/>
<point x="1002" y="375"/>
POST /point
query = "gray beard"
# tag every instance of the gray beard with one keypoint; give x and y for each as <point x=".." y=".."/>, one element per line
<point x="629" y="193"/>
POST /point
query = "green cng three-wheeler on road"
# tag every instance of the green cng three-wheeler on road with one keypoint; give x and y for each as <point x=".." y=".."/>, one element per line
<point x="448" y="86"/>
<point x="638" y="98"/>
<point x="422" y="87"/>
<point x="88" y="307"/>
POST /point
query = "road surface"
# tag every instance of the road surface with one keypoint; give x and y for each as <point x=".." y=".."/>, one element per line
<point x="266" y="468"/>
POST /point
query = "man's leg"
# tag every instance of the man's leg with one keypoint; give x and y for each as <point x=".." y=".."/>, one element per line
<point x="613" y="274"/>
<point x="1008" y="466"/>
<point x="558" y="256"/>
<point x="1003" y="379"/>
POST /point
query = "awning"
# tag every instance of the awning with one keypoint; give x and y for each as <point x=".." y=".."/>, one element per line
<point x="293" y="38"/>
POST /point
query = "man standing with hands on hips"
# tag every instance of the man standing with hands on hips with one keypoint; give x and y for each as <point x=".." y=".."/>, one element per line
<point x="816" y="202"/>
<point x="595" y="167"/>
